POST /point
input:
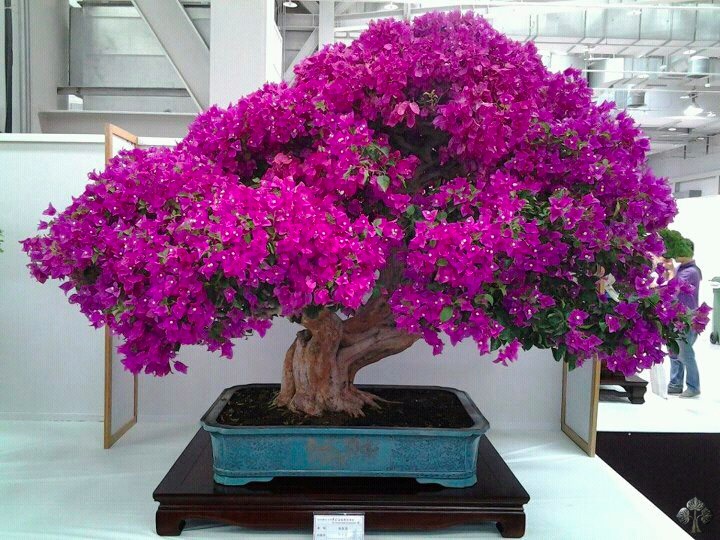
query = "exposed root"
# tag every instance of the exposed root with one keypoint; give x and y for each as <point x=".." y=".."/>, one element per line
<point x="322" y="362"/>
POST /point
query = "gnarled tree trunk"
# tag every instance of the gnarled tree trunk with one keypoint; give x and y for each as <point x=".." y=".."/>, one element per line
<point x="321" y="364"/>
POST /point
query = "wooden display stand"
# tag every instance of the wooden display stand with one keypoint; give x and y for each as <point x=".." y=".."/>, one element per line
<point x="189" y="492"/>
<point x="634" y="386"/>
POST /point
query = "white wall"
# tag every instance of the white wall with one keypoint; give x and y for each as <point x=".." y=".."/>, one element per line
<point x="698" y="159"/>
<point x="699" y="219"/>
<point x="51" y="361"/>
<point x="525" y="395"/>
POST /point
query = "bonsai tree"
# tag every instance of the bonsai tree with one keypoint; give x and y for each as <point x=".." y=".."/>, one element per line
<point x="430" y="178"/>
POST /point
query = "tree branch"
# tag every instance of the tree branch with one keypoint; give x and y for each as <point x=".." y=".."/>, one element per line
<point x="374" y="346"/>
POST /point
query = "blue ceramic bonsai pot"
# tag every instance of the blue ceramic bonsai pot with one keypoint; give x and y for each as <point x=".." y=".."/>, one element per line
<point x="446" y="456"/>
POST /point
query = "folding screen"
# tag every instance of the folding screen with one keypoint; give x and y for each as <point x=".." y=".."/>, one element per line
<point x="580" y="395"/>
<point x="121" y="390"/>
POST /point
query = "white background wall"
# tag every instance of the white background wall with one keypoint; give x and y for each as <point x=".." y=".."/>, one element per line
<point x="51" y="361"/>
<point x="525" y="395"/>
<point x="698" y="160"/>
<point x="699" y="220"/>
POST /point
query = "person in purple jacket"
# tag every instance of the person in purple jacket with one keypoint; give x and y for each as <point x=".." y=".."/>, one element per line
<point x="683" y="368"/>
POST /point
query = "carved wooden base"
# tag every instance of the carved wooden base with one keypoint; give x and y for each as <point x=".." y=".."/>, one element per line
<point x="634" y="386"/>
<point x="188" y="492"/>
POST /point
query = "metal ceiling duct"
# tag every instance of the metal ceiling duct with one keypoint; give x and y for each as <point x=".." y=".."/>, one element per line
<point x="698" y="67"/>
<point x="635" y="99"/>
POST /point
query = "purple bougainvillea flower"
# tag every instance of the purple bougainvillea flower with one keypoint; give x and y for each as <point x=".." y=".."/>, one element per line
<point x="613" y="323"/>
<point x="577" y="317"/>
<point x="180" y="367"/>
<point x="627" y="310"/>
<point x="508" y="354"/>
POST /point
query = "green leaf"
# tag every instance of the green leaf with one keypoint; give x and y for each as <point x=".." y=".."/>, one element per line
<point x="673" y="347"/>
<point x="559" y="352"/>
<point x="377" y="223"/>
<point x="446" y="313"/>
<point x="383" y="181"/>
<point x="571" y="362"/>
<point x="410" y="210"/>
<point x="442" y="262"/>
<point x="321" y="106"/>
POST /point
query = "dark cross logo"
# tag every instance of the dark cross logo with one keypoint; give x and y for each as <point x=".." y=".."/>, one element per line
<point x="696" y="511"/>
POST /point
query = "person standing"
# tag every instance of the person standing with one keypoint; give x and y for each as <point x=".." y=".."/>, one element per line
<point x="683" y="367"/>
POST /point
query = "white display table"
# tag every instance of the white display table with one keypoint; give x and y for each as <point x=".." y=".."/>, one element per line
<point x="57" y="481"/>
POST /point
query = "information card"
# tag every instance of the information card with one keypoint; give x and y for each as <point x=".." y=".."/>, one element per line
<point x="339" y="527"/>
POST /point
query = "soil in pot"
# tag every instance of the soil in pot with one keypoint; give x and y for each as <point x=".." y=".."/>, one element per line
<point x="403" y="407"/>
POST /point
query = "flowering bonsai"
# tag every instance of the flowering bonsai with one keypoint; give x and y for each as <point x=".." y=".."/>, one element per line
<point x="430" y="178"/>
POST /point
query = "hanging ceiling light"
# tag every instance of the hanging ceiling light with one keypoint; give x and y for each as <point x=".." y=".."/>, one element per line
<point x="693" y="109"/>
<point x="289" y="4"/>
<point x="390" y="6"/>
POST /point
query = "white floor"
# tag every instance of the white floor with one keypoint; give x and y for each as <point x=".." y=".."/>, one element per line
<point x="696" y="415"/>
<point x="56" y="482"/>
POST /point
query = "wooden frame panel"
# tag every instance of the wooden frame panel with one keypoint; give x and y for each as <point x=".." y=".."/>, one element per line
<point x="110" y="437"/>
<point x="588" y="446"/>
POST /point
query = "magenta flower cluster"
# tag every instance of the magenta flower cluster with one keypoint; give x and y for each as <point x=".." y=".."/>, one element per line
<point x="514" y="210"/>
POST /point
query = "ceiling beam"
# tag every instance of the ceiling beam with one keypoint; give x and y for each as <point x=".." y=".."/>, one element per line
<point x="309" y="47"/>
<point x="311" y="6"/>
<point x="182" y="43"/>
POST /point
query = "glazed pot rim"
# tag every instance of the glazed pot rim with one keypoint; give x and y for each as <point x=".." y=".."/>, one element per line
<point x="480" y="424"/>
